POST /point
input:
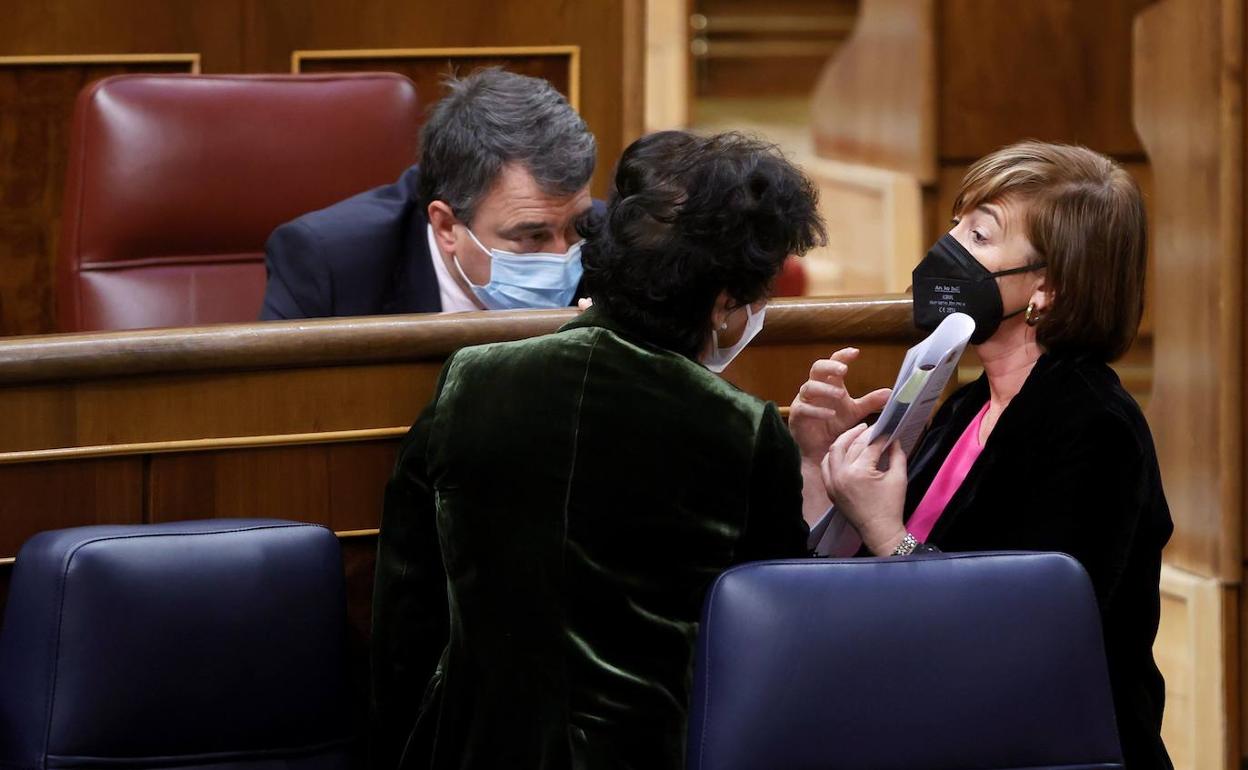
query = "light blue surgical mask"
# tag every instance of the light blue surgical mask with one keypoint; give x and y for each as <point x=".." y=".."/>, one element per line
<point x="538" y="280"/>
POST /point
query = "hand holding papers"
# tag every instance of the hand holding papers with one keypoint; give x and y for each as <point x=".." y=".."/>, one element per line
<point x="923" y="376"/>
<point x="924" y="373"/>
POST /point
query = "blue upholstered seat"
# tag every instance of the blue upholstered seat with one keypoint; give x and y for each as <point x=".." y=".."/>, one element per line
<point x="986" y="661"/>
<point x="191" y="644"/>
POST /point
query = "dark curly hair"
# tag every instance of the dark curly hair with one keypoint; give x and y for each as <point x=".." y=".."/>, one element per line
<point x="688" y="217"/>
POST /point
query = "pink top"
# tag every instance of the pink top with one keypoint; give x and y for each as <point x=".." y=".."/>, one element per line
<point x="950" y="476"/>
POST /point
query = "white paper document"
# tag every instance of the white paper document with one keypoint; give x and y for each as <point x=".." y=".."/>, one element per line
<point x="922" y="378"/>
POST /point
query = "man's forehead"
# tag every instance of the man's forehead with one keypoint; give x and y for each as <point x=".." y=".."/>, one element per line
<point x="516" y="200"/>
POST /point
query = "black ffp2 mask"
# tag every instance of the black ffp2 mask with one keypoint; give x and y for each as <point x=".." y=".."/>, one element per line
<point x="950" y="280"/>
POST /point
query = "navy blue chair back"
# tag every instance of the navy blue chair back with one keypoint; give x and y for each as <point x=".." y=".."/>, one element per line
<point x="983" y="661"/>
<point x="190" y="644"/>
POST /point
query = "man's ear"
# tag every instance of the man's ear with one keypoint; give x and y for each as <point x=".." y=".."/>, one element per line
<point x="443" y="221"/>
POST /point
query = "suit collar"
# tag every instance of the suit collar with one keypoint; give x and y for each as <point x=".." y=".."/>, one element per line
<point x="414" y="285"/>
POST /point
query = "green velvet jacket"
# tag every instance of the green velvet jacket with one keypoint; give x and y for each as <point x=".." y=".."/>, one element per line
<point x="554" y="518"/>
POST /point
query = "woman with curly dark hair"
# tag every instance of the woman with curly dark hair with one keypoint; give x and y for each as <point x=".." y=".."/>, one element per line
<point x="559" y="509"/>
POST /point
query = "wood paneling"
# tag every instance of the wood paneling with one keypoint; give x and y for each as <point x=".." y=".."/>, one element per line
<point x="1188" y="112"/>
<point x="286" y="482"/>
<point x="261" y="36"/>
<point x="357" y="482"/>
<point x="668" y="64"/>
<point x="1190" y="649"/>
<point x="868" y="211"/>
<point x="43" y="496"/>
<point x="874" y="104"/>
<point x="606" y="32"/>
<point x="339" y="486"/>
<point x="243" y="404"/>
<point x="71" y="27"/>
<point x="1058" y="70"/>
<point x="36" y="102"/>
<point x="427" y="67"/>
<point x="774" y="48"/>
<point x="359" y="560"/>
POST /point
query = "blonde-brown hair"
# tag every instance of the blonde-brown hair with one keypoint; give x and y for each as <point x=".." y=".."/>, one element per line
<point x="1084" y="216"/>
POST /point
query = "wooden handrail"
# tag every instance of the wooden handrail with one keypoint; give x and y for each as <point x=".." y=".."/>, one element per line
<point x="381" y="339"/>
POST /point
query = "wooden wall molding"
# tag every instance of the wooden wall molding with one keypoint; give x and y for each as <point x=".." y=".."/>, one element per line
<point x="572" y="52"/>
<point x="201" y="445"/>
<point x="348" y="534"/>
<point x="192" y="59"/>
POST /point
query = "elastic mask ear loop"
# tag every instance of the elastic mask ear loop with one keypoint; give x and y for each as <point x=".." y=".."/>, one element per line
<point x="1013" y="271"/>
<point x="462" y="274"/>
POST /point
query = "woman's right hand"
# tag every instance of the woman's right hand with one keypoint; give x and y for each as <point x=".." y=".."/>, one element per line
<point x="823" y="408"/>
<point x="870" y="498"/>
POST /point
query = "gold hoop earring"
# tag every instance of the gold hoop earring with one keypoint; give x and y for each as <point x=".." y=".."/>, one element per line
<point x="1031" y="316"/>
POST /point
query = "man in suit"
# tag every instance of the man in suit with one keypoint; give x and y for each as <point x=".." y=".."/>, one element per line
<point x="487" y="220"/>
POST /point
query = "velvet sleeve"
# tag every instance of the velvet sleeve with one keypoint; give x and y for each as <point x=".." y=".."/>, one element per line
<point x="1090" y="497"/>
<point x="298" y="284"/>
<point x="774" y="527"/>
<point x="410" y="613"/>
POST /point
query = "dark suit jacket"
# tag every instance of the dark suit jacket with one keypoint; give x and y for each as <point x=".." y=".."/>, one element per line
<point x="554" y="519"/>
<point x="1069" y="467"/>
<point x="367" y="255"/>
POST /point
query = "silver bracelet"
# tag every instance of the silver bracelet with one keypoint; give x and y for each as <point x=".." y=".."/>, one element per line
<point x="906" y="546"/>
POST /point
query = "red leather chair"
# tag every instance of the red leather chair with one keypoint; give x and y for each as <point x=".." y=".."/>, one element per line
<point x="176" y="181"/>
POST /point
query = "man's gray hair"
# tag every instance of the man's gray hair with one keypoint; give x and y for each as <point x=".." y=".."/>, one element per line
<point x="491" y="118"/>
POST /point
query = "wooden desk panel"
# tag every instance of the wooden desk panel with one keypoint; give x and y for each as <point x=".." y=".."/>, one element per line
<point x="53" y="495"/>
<point x="337" y="485"/>
<point x="299" y="420"/>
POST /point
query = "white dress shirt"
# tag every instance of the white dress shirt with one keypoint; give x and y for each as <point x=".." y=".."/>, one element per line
<point x="454" y="298"/>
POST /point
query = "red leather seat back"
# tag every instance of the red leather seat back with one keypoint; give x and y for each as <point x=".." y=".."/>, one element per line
<point x="176" y="181"/>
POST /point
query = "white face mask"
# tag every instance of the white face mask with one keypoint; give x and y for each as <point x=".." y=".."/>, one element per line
<point x="719" y="358"/>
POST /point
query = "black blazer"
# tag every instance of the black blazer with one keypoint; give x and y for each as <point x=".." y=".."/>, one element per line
<point x="367" y="255"/>
<point x="1070" y="467"/>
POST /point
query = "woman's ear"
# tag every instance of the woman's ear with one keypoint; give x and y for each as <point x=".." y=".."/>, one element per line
<point x="1042" y="296"/>
<point x="719" y="312"/>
